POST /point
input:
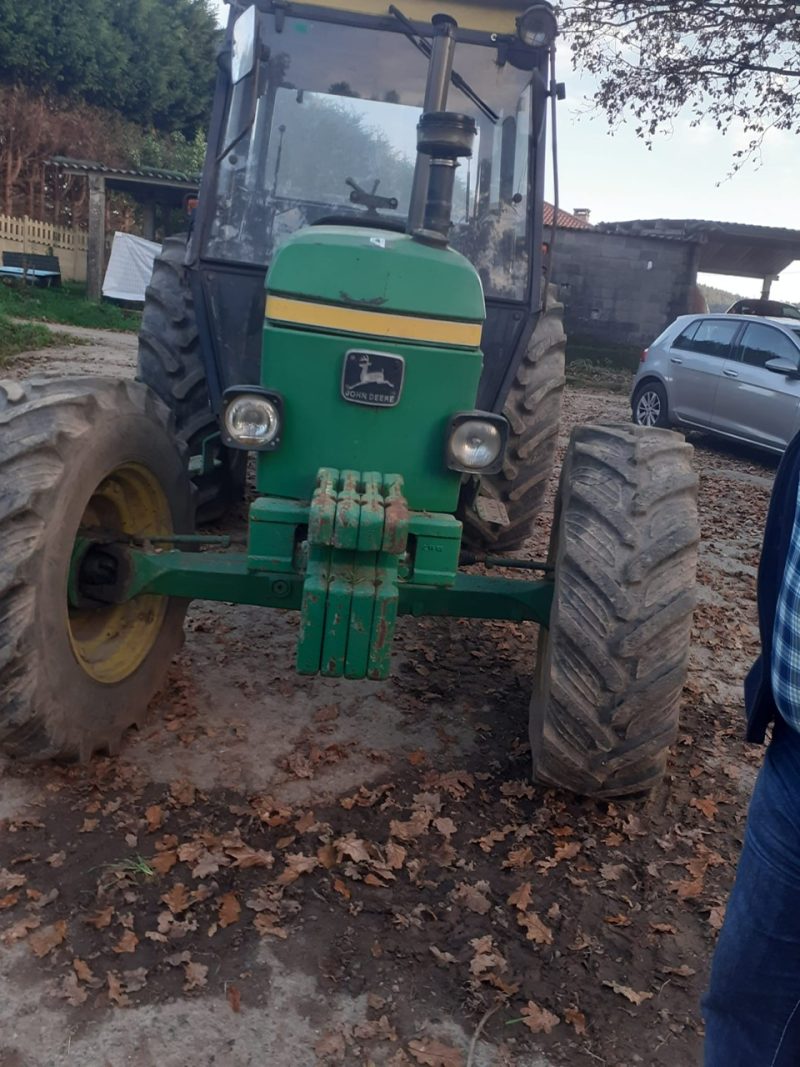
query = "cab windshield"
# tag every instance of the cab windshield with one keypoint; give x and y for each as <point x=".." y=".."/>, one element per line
<point x="335" y="117"/>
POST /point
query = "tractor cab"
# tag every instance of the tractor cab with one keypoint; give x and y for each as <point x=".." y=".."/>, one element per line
<point x="316" y="116"/>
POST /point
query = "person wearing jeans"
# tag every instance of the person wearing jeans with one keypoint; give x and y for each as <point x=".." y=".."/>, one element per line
<point x="752" y="1007"/>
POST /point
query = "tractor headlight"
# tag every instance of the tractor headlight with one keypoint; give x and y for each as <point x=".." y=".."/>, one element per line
<point x="537" y="27"/>
<point x="476" y="442"/>
<point x="252" y="418"/>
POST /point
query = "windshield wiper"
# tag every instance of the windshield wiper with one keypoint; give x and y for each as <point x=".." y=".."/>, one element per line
<point x="422" y="45"/>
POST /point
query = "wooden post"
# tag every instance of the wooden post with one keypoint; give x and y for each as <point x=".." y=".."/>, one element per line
<point x="96" y="248"/>
<point x="149" y="219"/>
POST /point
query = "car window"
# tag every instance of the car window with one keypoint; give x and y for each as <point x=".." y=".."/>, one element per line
<point x="711" y="337"/>
<point x="762" y="343"/>
<point x="684" y="339"/>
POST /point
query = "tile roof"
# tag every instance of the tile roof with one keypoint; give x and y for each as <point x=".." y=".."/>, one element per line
<point x="566" y="221"/>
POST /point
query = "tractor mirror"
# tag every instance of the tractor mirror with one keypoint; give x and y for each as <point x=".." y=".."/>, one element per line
<point x="245" y="35"/>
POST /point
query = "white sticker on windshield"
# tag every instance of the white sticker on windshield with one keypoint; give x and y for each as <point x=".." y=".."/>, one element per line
<point x="379" y="242"/>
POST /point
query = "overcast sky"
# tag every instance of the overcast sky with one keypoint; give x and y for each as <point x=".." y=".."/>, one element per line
<point x="683" y="177"/>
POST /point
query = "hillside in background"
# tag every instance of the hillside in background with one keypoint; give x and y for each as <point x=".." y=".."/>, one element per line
<point x="719" y="299"/>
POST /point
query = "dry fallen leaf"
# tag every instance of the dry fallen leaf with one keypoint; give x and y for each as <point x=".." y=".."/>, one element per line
<point x="83" y="970"/>
<point x="296" y="864"/>
<point x="472" y="896"/>
<point x="446" y="827"/>
<point x="229" y="910"/>
<point x="177" y="899"/>
<point x="115" y="992"/>
<point x="234" y="998"/>
<point x="10" y="879"/>
<point x="182" y="793"/>
<point x="716" y="917"/>
<point x="155" y="817"/>
<point x="395" y="855"/>
<point x="628" y="993"/>
<point x="72" y="991"/>
<point x="617" y="920"/>
<point x="663" y="928"/>
<point x="521" y="897"/>
<point x="21" y="928"/>
<point x="127" y="943"/>
<point x="164" y="861"/>
<point x="195" y="976"/>
<point x="535" y="929"/>
<point x="266" y="925"/>
<point x="46" y="939"/>
<point x="539" y="1020"/>
<point x="100" y="918"/>
<point x="331" y="1047"/>
<point x="432" y="1053"/>
<point x="707" y="805"/>
<point x="442" y="957"/>
<point x="352" y="847"/>
<point x="577" y="1020"/>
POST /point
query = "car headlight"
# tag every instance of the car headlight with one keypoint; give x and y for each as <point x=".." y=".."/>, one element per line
<point x="252" y="418"/>
<point x="476" y="442"/>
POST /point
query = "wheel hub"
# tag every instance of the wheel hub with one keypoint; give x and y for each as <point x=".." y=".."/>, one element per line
<point x="111" y="640"/>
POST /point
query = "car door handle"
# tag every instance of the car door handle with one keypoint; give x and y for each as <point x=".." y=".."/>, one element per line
<point x="731" y="373"/>
<point x="674" y="359"/>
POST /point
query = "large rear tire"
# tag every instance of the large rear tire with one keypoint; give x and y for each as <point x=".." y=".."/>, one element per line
<point x="81" y="454"/>
<point x="171" y="364"/>
<point x="611" y="666"/>
<point x="533" y="410"/>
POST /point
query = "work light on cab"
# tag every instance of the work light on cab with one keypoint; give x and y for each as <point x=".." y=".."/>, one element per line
<point x="476" y="442"/>
<point x="252" y="419"/>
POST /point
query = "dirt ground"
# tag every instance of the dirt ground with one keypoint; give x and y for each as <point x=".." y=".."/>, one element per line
<point x="297" y="871"/>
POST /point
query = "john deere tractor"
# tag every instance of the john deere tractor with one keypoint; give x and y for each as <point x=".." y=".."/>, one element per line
<point x="359" y="304"/>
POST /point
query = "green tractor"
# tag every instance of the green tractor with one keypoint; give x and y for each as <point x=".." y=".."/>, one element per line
<point x="360" y="304"/>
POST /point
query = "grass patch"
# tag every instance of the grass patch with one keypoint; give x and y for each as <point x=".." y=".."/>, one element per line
<point x="18" y="337"/>
<point x="67" y="304"/>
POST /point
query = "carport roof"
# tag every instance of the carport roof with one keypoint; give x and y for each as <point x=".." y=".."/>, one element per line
<point x="168" y="186"/>
<point x="724" y="247"/>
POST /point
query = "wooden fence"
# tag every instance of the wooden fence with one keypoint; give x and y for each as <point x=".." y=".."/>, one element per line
<point x="30" y="235"/>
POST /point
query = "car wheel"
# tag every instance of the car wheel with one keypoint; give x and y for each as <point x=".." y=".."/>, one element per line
<point x="650" y="405"/>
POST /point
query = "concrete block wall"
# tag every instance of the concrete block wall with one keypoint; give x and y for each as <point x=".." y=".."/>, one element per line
<point x="622" y="290"/>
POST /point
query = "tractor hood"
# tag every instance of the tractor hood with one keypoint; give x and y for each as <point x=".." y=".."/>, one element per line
<point x="380" y="271"/>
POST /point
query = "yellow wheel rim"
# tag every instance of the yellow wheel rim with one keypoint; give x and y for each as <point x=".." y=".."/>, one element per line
<point x="110" y="642"/>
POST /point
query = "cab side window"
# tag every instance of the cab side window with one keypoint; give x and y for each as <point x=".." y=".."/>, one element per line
<point x="761" y="343"/>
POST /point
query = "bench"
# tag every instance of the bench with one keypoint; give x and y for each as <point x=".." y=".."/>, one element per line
<point x="43" y="271"/>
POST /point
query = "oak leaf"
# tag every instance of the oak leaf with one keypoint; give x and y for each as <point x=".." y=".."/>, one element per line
<point x="628" y="993"/>
<point x="195" y="976"/>
<point x="535" y="929"/>
<point x="539" y="1020"/>
<point x="46" y="939"/>
<point x="521" y="897"/>
<point x="229" y="910"/>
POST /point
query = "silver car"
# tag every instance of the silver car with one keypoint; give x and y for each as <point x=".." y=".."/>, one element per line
<point x="731" y="375"/>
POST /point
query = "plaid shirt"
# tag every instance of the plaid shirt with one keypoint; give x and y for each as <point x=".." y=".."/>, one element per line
<point x="786" y="635"/>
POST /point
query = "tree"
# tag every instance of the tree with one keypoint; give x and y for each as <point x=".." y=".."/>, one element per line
<point x="152" y="61"/>
<point x="725" y="62"/>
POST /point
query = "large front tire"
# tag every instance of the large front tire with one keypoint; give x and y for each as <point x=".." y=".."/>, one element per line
<point x="533" y="410"/>
<point x="170" y="362"/>
<point x="611" y="666"/>
<point x="81" y="454"/>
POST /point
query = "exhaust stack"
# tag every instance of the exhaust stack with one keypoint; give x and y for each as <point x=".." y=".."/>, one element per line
<point x="442" y="137"/>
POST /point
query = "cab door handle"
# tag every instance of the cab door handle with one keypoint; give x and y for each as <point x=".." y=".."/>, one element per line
<point x="731" y="373"/>
<point x="675" y="359"/>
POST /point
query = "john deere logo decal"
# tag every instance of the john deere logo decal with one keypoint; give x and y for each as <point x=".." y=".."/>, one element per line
<point x="372" y="378"/>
